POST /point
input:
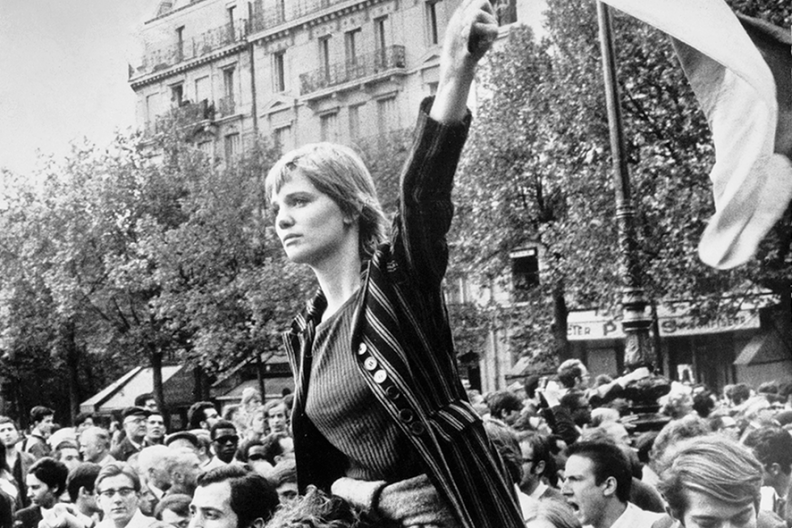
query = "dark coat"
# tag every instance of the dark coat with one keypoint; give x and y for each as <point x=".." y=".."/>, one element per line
<point x="400" y="331"/>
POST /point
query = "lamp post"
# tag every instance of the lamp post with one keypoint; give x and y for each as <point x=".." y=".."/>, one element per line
<point x="634" y="319"/>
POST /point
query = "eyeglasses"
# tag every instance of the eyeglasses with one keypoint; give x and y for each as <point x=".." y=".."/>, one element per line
<point x="527" y="460"/>
<point x="233" y="439"/>
<point x="256" y="457"/>
<point x="124" y="492"/>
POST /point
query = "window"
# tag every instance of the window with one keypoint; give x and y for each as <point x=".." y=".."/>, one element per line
<point x="280" y="10"/>
<point x="180" y="43"/>
<point x="279" y="71"/>
<point x="525" y="272"/>
<point x="351" y="43"/>
<point x="231" y="147"/>
<point x="386" y="114"/>
<point x="177" y="95"/>
<point x="228" y="83"/>
<point x="380" y="39"/>
<point x="206" y="148"/>
<point x="506" y="12"/>
<point x="231" y="27"/>
<point x="202" y="89"/>
<point x="324" y="56"/>
<point x="354" y="121"/>
<point x="456" y="290"/>
<point x="329" y="126"/>
<point x="151" y="111"/>
<point x="433" y="33"/>
<point x="283" y="138"/>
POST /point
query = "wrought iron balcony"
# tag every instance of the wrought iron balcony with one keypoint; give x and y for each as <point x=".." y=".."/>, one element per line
<point x="185" y="114"/>
<point x="207" y="42"/>
<point x="287" y="11"/>
<point x="386" y="59"/>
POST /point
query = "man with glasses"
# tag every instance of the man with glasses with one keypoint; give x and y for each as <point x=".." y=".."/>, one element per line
<point x="118" y="487"/>
<point x="135" y="429"/>
<point x="538" y="466"/>
<point x="224" y="444"/>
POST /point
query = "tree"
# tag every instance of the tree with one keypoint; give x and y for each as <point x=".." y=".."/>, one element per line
<point x="537" y="170"/>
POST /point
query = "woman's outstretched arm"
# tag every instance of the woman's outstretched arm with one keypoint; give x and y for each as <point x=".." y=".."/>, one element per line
<point x="470" y="33"/>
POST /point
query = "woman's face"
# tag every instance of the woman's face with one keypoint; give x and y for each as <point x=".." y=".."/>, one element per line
<point x="310" y="225"/>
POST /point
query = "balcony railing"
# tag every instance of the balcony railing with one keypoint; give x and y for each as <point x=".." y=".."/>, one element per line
<point x="207" y="42"/>
<point x="287" y="11"/>
<point x="386" y="59"/>
<point x="184" y="115"/>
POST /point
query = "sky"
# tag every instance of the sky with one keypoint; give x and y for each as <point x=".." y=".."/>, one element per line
<point x="63" y="74"/>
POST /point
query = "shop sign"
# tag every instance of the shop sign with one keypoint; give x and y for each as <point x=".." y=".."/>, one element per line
<point x="590" y="326"/>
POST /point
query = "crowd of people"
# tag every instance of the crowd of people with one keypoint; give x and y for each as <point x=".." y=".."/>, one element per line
<point x="380" y="431"/>
<point x="572" y="448"/>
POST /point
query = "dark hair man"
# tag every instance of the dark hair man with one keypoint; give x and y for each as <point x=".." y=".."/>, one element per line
<point x="155" y="429"/>
<point x="148" y="402"/>
<point x="773" y="447"/>
<point x="597" y="487"/>
<point x="231" y="497"/>
<point x="174" y="510"/>
<point x="41" y="419"/>
<point x="202" y="415"/>
<point x="225" y="441"/>
<point x="538" y="465"/>
<point x="80" y="486"/>
<point x="46" y="480"/>
<point x="505" y="406"/>
<point x="18" y="461"/>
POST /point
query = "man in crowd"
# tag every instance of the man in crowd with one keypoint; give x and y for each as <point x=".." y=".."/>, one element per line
<point x="67" y="452"/>
<point x="153" y="462"/>
<point x="46" y="480"/>
<point x="231" y="497"/>
<point x="155" y="429"/>
<point x="174" y="510"/>
<point x="94" y="445"/>
<point x="118" y="487"/>
<point x="505" y="406"/>
<point x="202" y="415"/>
<point x="183" y="469"/>
<point x="538" y="465"/>
<point x="18" y="461"/>
<point x="597" y="487"/>
<point x="772" y="445"/>
<point x="224" y="443"/>
<point x="148" y="402"/>
<point x="135" y="429"/>
<point x="284" y="477"/>
<point x="36" y="443"/>
<point x="80" y="486"/>
<point x="277" y="416"/>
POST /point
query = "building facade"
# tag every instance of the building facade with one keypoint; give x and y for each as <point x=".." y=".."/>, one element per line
<point x="294" y="71"/>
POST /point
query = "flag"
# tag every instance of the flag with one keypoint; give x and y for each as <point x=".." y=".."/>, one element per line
<point x="736" y="89"/>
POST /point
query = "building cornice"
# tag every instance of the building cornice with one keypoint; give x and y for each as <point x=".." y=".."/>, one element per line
<point x="186" y="66"/>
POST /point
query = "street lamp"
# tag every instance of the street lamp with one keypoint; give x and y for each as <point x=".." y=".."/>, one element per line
<point x="634" y="319"/>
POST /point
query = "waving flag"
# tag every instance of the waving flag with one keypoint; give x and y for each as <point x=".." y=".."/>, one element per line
<point x="752" y="175"/>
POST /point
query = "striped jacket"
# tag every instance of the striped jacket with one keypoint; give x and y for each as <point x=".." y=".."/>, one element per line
<point x="402" y="341"/>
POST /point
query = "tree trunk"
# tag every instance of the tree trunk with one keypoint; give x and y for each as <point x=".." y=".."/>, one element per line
<point x="560" y="313"/>
<point x="156" y="372"/>
<point x="71" y="357"/>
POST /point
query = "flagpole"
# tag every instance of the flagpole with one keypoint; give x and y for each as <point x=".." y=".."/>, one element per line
<point x="635" y="322"/>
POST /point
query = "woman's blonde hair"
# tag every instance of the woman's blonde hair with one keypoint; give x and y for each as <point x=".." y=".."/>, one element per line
<point x="338" y="172"/>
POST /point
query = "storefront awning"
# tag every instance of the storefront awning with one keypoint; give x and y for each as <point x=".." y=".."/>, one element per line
<point x="765" y="347"/>
<point x="122" y="392"/>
